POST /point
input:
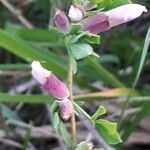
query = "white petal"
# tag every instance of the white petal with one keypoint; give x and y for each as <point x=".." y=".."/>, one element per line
<point x="75" y="14"/>
<point x="39" y="73"/>
<point x="125" y="13"/>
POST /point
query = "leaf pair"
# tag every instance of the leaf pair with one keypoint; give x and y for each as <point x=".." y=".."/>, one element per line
<point x="106" y="129"/>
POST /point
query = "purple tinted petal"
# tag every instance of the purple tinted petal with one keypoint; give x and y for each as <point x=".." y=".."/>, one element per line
<point x="62" y="22"/>
<point x="56" y="88"/>
<point x="96" y="24"/>
<point x="66" y="109"/>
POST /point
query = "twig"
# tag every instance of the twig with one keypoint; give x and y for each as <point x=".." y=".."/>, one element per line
<point x="70" y="83"/>
<point x="17" y="13"/>
<point x="11" y="143"/>
<point x="13" y="73"/>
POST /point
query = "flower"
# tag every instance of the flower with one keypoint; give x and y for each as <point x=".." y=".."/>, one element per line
<point x="76" y="13"/>
<point x="105" y="20"/>
<point x="66" y="109"/>
<point x="125" y="13"/>
<point x="95" y="24"/>
<point x="49" y="81"/>
<point x="62" y="22"/>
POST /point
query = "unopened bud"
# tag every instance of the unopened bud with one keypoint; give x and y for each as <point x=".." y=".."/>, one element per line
<point x="61" y="21"/>
<point x="76" y="13"/>
<point x="125" y="13"/>
<point x="66" y="109"/>
<point x="50" y="83"/>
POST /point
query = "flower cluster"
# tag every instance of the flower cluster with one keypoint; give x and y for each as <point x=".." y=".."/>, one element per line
<point x="52" y="85"/>
<point x="99" y="22"/>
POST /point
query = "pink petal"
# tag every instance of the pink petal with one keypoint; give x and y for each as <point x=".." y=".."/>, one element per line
<point x="56" y="88"/>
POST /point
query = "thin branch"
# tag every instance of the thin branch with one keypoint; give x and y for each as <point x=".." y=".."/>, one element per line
<point x="17" y="13"/>
<point x="70" y="84"/>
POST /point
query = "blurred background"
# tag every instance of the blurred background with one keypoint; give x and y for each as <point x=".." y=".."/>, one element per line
<point x="25" y="120"/>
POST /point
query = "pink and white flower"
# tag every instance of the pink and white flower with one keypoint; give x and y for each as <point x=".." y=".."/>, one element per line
<point x="50" y="83"/>
<point x="105" y="20"/>
<point x="76" y="13"/>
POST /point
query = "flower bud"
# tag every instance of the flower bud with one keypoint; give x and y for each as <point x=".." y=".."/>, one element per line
<point x="62" y="22"/>
<point x="124" y="13"/>
<point x="49" y="81"/>
<point x="66" y="109"/>
<point x="76" y="13"/>
<point x="95" y="24"/>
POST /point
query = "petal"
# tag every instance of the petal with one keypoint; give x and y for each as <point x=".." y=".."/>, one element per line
<point x="39" y="73"/>
<point x="125" y="13"/>
<point x="56" y="87"/>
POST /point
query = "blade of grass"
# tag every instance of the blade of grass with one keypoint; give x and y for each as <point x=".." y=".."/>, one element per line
<point x="139" y="117"/>
<point x="14" y="67"/>
<point x="108" y="77"/>
<point x="32" y="99"/>
<point x="29" y="53"/>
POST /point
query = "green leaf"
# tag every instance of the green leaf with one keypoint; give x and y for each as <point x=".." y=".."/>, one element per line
<point x="100" y="111"/>
<point x="82" y="146"/>
<point x="75" y="28"/>
<point x="9" y="114"/>
<point x="107" y="76"/>
<point x="56" y="121"/>
<point x="145" y="107"/>
<point x="109" y="4"/>
<point x="32" y="99"/>
<point x="54" y="106"/>
<point x="92" y="38"/>
<point x="66" y="136"/>
<point x="108" y="131"/>
<point x="80" y="50"/>
<point x="15" y="67"/>
<point x="29" y="53"/>
<point x="76" y="38"/>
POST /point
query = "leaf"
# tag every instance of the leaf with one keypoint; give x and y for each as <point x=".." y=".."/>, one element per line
<point x="76" y="38"/>
<point x="56" y="121"/>
<point x="63" y="131"/>
<point x="75" y="28"/>
<point x="145" y="107"/>
<point x="100" y="111"/>
<point x="29" y="53"/>
<point x="108" y="131"/>
<point x="82" y="146"/>
<point x="9" y="114"/>
<point x="109" y="4"/>
<point x="15" y="67"/>
<point x="107" y="76"/>
<point x="80" y="50"/>
<point x="92" y="38"/>
<point x="86" y="37"/>
<point x="32" y="99"/>
<point x="54" y="107"/>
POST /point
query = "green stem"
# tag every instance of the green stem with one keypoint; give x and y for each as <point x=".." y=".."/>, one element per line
<point x="82" y="111"/>
<point x="70" y="83"/>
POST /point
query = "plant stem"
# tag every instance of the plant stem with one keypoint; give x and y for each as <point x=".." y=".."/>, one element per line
<point x="70" y="83"/>
<point x="82" y="111"/>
